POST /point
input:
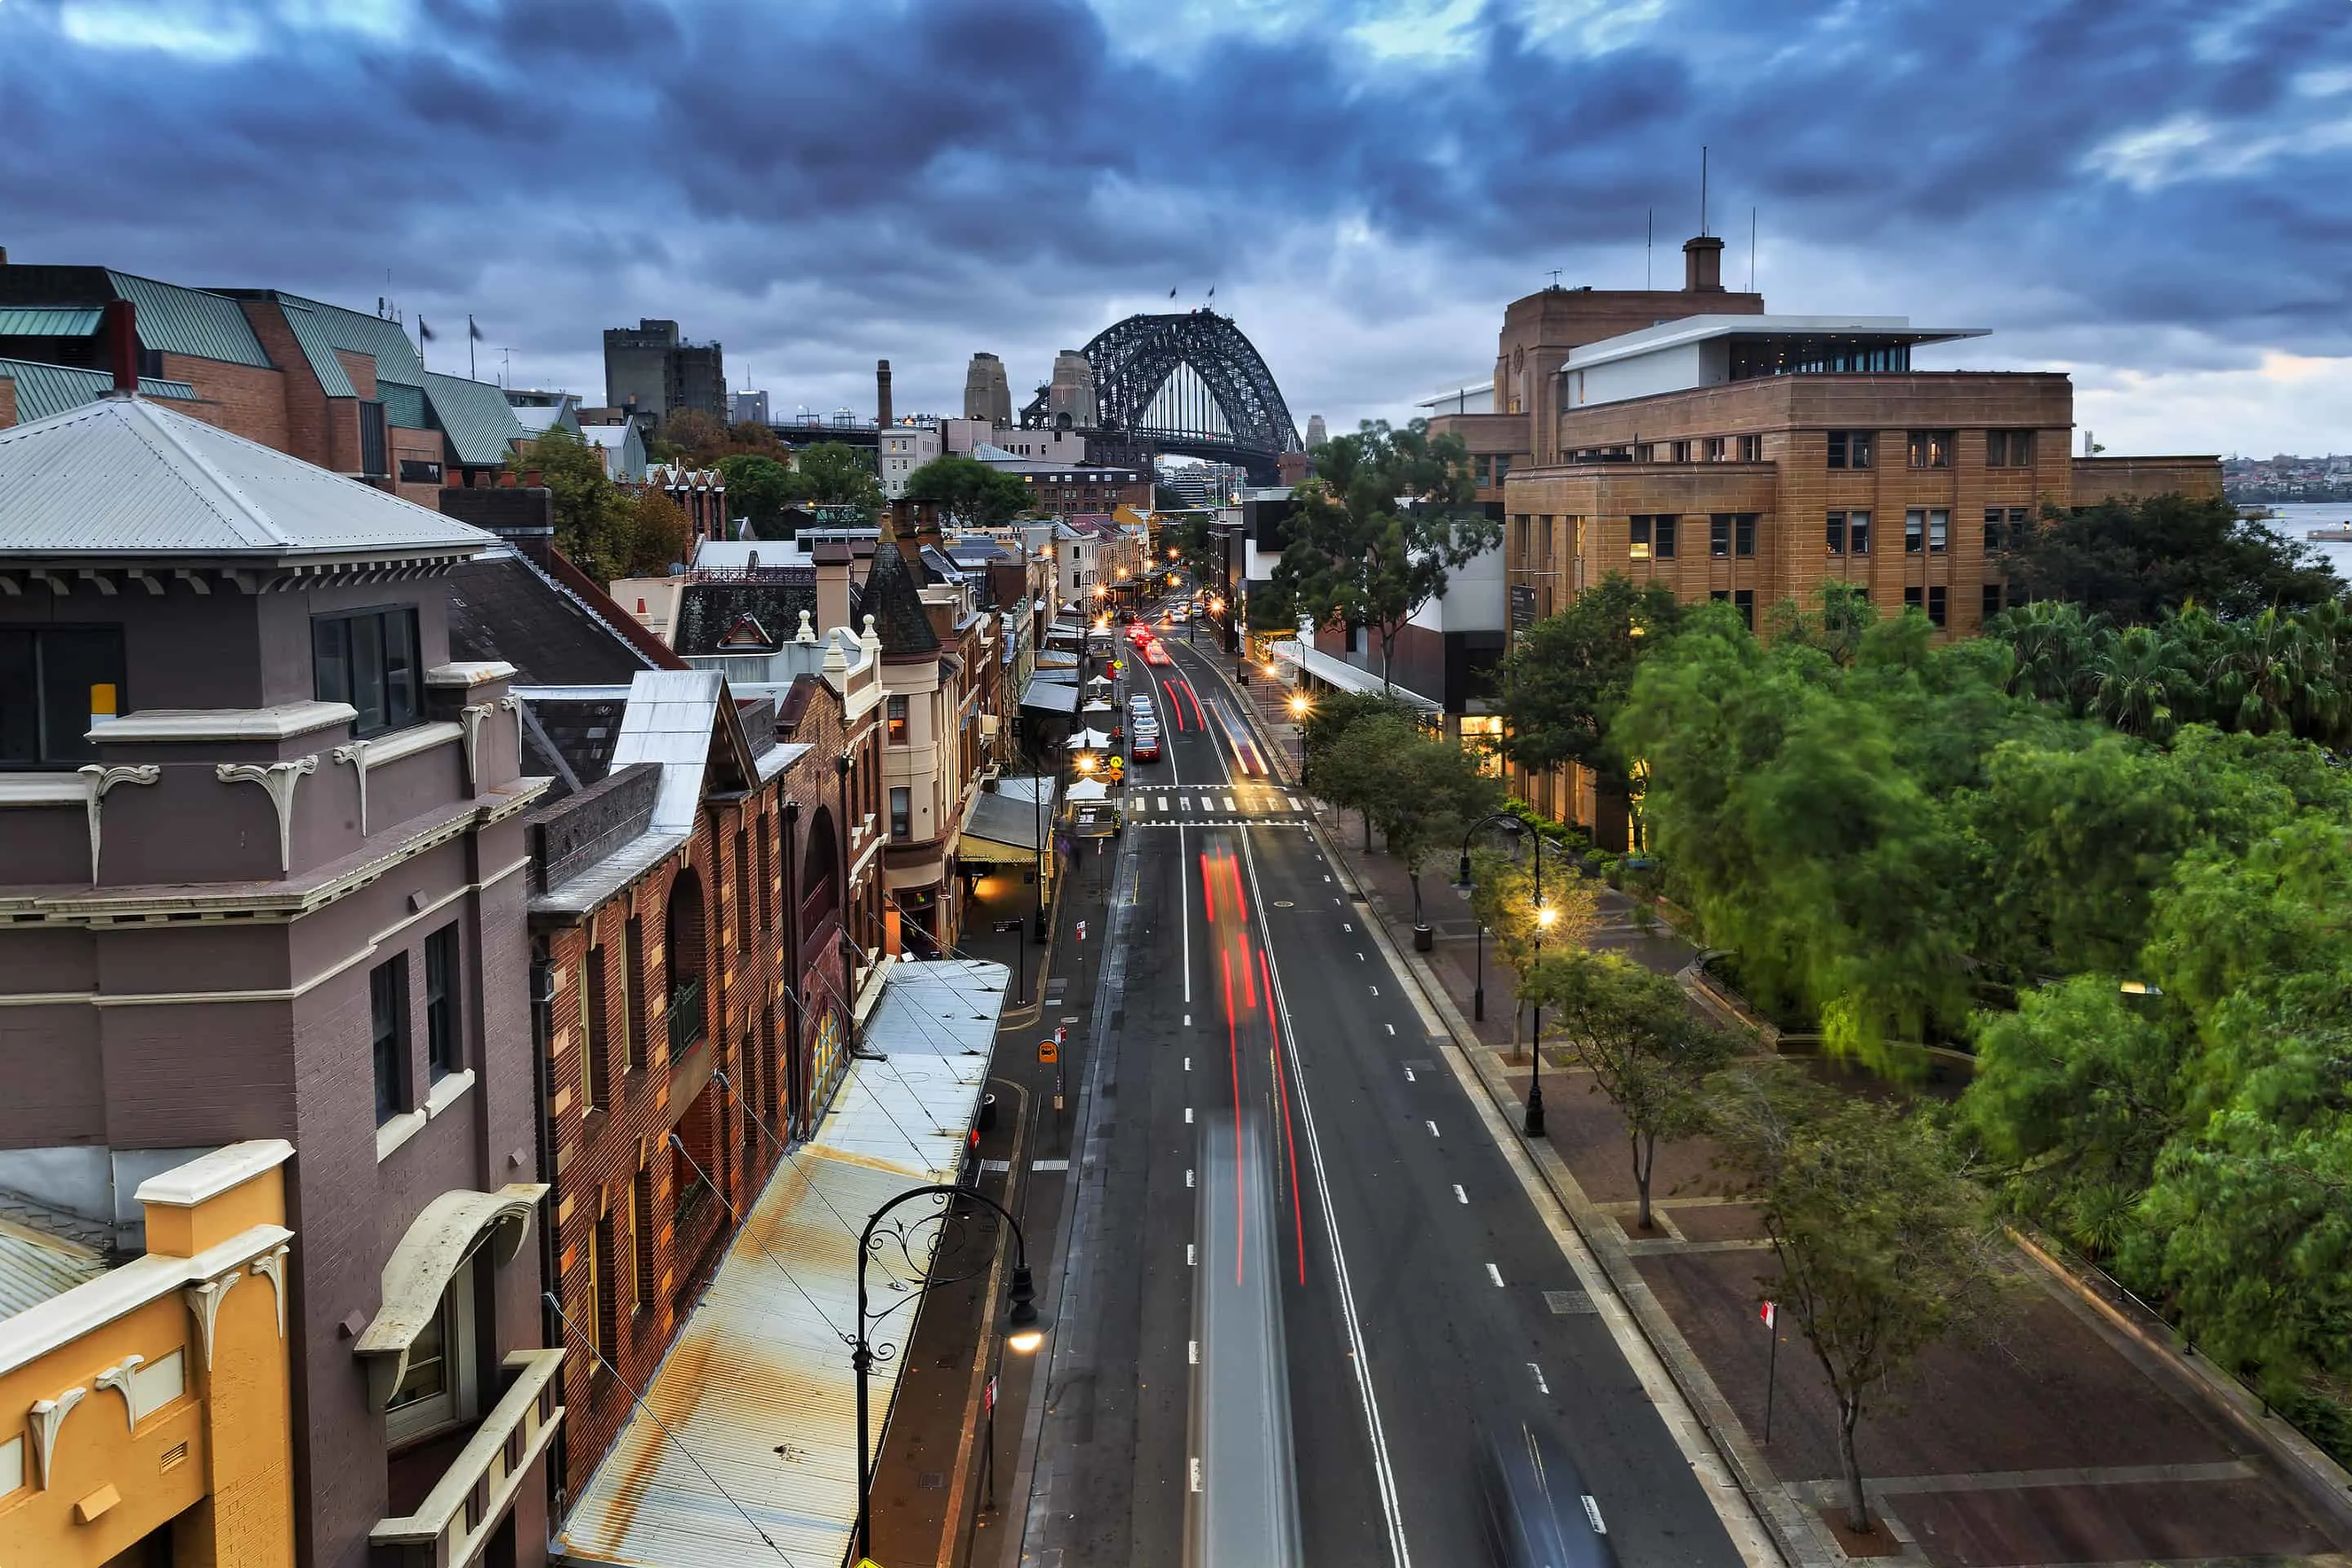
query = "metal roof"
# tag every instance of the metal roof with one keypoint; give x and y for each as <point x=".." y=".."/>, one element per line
<point x="481" y="425"/>
<point x="36" y="1267"/>
<point x="757" y="1390"/>
<point x="322" y="328"/>
<point x="46" y="389"/>
<point x="403" y="405"/>
<point x="47" y="321"/>
<point x="127" y="476"/>
<point x="668" y="721"/>
<point x="191" y="322"/>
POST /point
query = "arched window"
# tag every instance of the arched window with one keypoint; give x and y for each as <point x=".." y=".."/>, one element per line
<point x="682" y="957"/>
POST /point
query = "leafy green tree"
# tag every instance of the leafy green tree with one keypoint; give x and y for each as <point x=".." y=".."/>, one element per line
<point x="2142" y="676"/>
<point x="1194" y="541"/>
<point x="1166" y="497"/>
<point x="1883" y="1245"/>
<point x="605" y="531"/>
<point x="836" y="474"/>
<point x="968" y="491"/>
<point x="699" y="436"/>
<point x="2135" y="561"/>
<point x="1503" y="897"/>
<point x="1423" y="792"/>
<point x="1645" y="1048"/>
<point x="1837" y="628"/>
<point x="1567" y="677"/>
<point x="2054" y="646"/>
<point x="760" y="488"/>
<point x="1375" y="538"/>
<point x="1330" y="716"/>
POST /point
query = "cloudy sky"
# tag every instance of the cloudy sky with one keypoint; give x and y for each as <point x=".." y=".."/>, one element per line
<point x="2149" y="193"/>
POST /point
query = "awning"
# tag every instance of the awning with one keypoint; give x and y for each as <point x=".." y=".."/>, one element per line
<point x="1050" y="695"/>
<point x="758" y="1389"/>
<point x="1346" y="677"/>
<point x="428" y="1256"/>
<point x="1009" y="825"/>
<point x="1089" y="789"/>
<point x="1089" y="740"/>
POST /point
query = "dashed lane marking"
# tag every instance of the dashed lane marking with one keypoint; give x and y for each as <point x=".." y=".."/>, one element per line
<point x="1409" y="1077"/>
<point x="1541" y="1387"/>
<point x="1188" y="1116"/>
<point x="1496" y="1275"/>
<point x="1459" y="1195"/>
<point x="1433" y="1129"/>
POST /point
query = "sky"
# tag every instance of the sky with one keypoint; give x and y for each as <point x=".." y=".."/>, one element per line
<point x="2148" y="193"/>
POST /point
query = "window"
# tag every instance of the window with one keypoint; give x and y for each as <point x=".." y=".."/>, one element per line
<point x="1643" y="452"/>
<point x="1483" y="469"/>
<point x="418" y="472"/>
<point x="902" y="813"/>
<point x="2009" y="448"/>
<point x="1519" y="525"/>
<point x="388" y="1028"/>
<point x="1991" y="601"/>
<point x="641" y="1238"/>
<point x="1849" y="448"/>
<point x="368" y="660"/>
<point x="439" y="1390"/>
<point x="1935" y="606"/>
<point x="1743" y="533"/>
<point x="1837" y="533"/>
<point x="1931" y="448"/>
<point x="1682" y="451"/>
<point x="1637" y="530"/>
<point x="1711" y="450"/>
<point x="1720" y="595"/>
<point x="441" y="1017"/>
<point x="1913" y="599"/>
<point x="56" y="684"/>
<point x="1744" y="601"/>
<point x="768" y="874"/>
<point x="1664" y="534"/>
<point x="597" y="1057"/>
<point x="1718" y="536"/>
<point x="2005" y="531"/>
<point x="1993" y="516"/>
<point x="604" y="1289"/>
<point x="632" y="992"/>
<point x="1940" y="531"/>
<point x="1858" y="532"/>
<point x="895" y="716"/>
<point x="1915" y="531"/>
<point x="1502" y="466"/>
<point x="1751" y="448"/>
<point x="742" y="892"/>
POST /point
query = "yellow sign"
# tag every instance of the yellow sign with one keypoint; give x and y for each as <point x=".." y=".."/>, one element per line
<point x="1048" y="1052"/>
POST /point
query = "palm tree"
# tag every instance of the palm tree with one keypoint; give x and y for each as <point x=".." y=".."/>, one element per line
<point x="2262" y="679"/>
<point x="2056" y="647"/>
<point x="2138" y="674"/>
<point x="2324" y="712"/>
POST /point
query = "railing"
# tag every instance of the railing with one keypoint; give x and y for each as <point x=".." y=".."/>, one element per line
<point x="686" y="1022"/>
<point x="459" y="1516"/>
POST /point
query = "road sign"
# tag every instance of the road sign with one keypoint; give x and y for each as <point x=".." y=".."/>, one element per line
<point x="1005" y="928"/>
<point x="1769" y="1314"/>
<point x="991" y="1395"/>
<point x="1049" y="1051"/>
<point x="1061" y="1035"/>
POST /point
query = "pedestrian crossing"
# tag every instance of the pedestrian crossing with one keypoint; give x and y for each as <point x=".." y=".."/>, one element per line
<point x="1175" y="804"/>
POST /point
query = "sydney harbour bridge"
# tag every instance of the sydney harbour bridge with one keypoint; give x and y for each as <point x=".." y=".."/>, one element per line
<point x="1189" y="385"/>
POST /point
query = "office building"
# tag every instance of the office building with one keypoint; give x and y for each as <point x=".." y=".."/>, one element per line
<point x="656" y="370"/>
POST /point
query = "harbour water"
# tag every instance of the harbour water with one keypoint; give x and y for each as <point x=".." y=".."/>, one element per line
<point x="2296" y="519"/>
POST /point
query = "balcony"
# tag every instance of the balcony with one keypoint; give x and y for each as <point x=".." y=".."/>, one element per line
<point x="685" y="1022"/>
<point x="459" y="1516"/>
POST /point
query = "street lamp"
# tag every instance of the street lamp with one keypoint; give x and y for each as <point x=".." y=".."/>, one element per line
<point x="1299" y="707"/>
<point x="1532" y="1125"/>
<point x="918" y="1242"/>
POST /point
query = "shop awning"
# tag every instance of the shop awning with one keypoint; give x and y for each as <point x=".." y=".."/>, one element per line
<point x="1050" y="695"/>
<point x="1337" y="673"/>
<point x="758" y="1391"/>
<point x="1010" y="825"/>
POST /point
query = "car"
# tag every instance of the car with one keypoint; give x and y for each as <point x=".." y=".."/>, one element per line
<point x="1154" y="654"/>
<point x="1533" y="1503"/>
<point x="1179" y="616"/>
<point x="1140" y="706"/>
<point x="1145" y="748"/>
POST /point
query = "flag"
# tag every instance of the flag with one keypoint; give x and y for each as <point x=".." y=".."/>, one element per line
<point x="1212" y="291"/>
<point x="424" y="333"/>
<point x="473" y="332"/>
<point x="1768" y="1313"/>
<point x="1172" y="293"/>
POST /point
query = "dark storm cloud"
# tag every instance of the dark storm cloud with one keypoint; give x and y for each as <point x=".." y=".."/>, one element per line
<point x="831" y="178"/>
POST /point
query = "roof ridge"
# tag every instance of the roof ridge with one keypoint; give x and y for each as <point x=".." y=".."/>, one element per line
<point x="585" y="608"/>
<point x="270" y="532"/>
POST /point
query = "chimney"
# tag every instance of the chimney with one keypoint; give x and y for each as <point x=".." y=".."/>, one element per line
<point x="1702" y="265"/>
<point x="833" y="563"/>
<point x="881" y="392"/>
<point x="123" y="343"/>
<point x="4" y="255"/>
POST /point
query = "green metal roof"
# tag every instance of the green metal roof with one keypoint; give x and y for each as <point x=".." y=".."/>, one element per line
<point x="176" y="320"/>
<point x="46" y="389"/>
<point x="45" y="322"/>
<point x="481" y="427"/>
<point x="322" y="328"/>
<point x="403" y="405"/>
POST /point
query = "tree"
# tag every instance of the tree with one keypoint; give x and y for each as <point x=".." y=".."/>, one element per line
<point x="1564" y="682"/>
<point x="759" y="488"/>
<point x="968" y="491"/>
<point x="1423" y="792"/>
<point x="1503" y="897"/>
<point x="1837" y="628"/>
<point x="658" y="534"/>
<point x="1375" y="537"/>
<point x="833" y="473"/>
<point x="595" y="520"/>
<point x="1331" y="716"/>
<point x="2135" y="561"/>
<point x="1883" y="1245"/>
<point x="1166" y="498"/>
<point x="699" y="436"/>
<point x="1647" y="1050"/>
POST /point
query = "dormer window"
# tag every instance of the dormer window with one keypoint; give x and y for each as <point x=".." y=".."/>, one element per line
<point x="368" y="659"/>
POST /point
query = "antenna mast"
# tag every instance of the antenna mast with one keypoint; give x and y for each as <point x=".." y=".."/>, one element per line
<point x="1702" y="188"/>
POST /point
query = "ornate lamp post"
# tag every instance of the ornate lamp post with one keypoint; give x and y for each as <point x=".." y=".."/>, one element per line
<point x="1024" y="1325"/>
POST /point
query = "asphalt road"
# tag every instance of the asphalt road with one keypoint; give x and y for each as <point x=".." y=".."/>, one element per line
<point x="1260" y="1053"/>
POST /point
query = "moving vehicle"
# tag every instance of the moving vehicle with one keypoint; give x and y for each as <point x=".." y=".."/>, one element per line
<point x="1533" y="1504"/>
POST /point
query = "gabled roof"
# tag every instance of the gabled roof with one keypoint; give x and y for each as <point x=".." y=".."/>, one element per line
<point x="321" y="328"/>
<point x="481" y="427"/>
<point x="127" y="476"/>
<point x="709" y="613"/>
<point x="503" y="608"/>
<point x="895" y="600"/>
<point x="46" y="389"/>
<point x="403" y="406"/>
<point x="193" y="321"/>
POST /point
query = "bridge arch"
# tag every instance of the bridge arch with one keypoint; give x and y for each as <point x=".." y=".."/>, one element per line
<point x="1134" y="360"/>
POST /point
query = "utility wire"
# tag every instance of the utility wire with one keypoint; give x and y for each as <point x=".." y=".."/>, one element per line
<point x="679" y="1145"/>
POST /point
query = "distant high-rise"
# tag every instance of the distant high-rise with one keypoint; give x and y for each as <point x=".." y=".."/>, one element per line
<point x="1070" y="398"/>
<point x="986" y="394"/>
<point x="653" y="367"/>
<point x="1316" y="432"/>
<point x="747" y="408"/>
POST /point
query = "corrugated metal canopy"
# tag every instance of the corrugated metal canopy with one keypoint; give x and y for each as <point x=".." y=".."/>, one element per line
<point x="758" y="1391"/>
<point x="127" y="476"/>
<point x="46" y="389"/>
<point x="47" y="321"/>
<point x="36" y="1267"/>
<point x="480" y="424"/>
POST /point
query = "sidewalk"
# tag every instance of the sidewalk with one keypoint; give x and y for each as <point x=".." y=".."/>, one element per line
<point x="2052" y="1440"/>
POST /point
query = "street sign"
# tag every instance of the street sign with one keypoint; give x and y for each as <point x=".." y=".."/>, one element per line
<point x="1005" y="928"/>
<point x="1082" y="931"/>
<point x="992" y="1396"/>
<point x="1769" y="1314"/>
<point x="1049" y="1051"/>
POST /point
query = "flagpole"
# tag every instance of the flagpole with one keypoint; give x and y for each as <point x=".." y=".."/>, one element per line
<point x="471" y="334"/>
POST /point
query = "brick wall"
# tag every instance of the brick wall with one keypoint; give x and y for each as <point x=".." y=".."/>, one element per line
<point x="305" y="401"/>
<point x="2134" y="478"/>
<point x="7" y="402"/>
<point x="245" y="399"/>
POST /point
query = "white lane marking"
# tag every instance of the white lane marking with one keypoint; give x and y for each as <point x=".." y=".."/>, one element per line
<point x="1327" y="875"/>
<point x="1159" y="803"/>
<point x="1188" y="1176"/>
<point x="1496" y="1275"/>
<point x="1184" y="801"/>
<point x="1184" y="875"/>
<point x="1459" y="1195"/>
<point x="1433" y="1129"/>
<point x="1192" y="1257"/>
<point x="1541" y="1387"/>
<point x="1194" y="1357"/>
<point x="1196" y="1473"/>
<point x="1188" y="1116"/>
<point x="1391" y="1028"/>
<point x="1344" y="925"/>
<point x="1188" y="1023"/>
<point x="1229" y="804"/>
<point x="1592" y="1513"/>
<point x="1360" y="1360"/>
<point x="1376" y="990"/>
<point x="1409" y="1077"/>
<point x="1188" y="1064"/>
<point x="1293" y="800"/>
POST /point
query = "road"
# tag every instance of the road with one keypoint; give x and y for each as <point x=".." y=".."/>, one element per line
<point x="1382" y="1282"/>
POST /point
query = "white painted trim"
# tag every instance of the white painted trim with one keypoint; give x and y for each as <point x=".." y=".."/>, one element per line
<point x="448" y="1090"/>
<point x="396" y="1132"/>
<point x="278" y="779"/>
<point x="209" y="1176"/>
<point x="42" y="789"/>
<point x="384" y="750"/>
<point x="61" y="1320"/>
<point x="466" y="673"/>
<point x="184" y="725"/>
